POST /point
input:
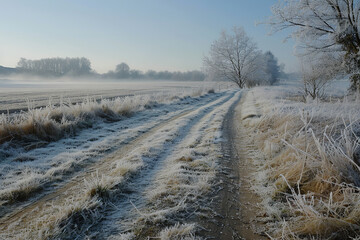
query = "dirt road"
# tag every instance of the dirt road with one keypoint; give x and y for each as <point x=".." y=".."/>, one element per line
<point x="186" y="165"/>
<point x="143" y="186"/>
<point x="235" y="206"/>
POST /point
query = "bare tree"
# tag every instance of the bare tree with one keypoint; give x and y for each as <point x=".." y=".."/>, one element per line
<point x="233" y="56"/>
<point x="322" y="26"/>
<point x="314" y="82"/>
<point x="317" y="73"/>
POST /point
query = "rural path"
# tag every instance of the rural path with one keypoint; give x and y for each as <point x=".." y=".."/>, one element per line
<point x="235" y="206"/>
<point x="157" y="179"/>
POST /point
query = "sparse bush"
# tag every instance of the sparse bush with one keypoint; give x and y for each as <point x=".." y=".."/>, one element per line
<point x="318" y="72"/>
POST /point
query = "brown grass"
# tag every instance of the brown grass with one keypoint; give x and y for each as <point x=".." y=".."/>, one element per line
<point x="314" y="176"/>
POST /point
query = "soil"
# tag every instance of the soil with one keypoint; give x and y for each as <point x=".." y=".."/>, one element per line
<point x="235" y="205"/>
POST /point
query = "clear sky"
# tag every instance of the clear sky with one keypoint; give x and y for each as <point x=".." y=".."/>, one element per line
<point x="146" y="34"/>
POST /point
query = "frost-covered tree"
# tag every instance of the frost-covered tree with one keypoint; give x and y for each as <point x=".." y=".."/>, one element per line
<point x="318" y="72"/>
<point x="234" y="56"/>
<point x="322" y="26"/>
<point x="272" y="68"/>
<point x="122" y="70"/>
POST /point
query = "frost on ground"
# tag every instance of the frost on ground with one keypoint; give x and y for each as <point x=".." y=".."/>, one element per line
<point x="108" y="181"/>
<point x="171" y="188"/>
<point x="25" y="170"/>
<point x="307" y="154"/>
<point x="186" y="176"/>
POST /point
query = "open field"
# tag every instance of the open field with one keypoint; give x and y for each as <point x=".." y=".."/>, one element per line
<point x="16" y="95"/>
<point x="180" y="120"/>
<point x="184" y="164"/>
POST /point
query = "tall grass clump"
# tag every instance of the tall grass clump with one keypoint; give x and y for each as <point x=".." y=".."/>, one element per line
<point x="309" y="167"/>
<point x="23" y="189"/>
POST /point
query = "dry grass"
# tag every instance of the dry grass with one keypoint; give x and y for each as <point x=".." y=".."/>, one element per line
<point x="310" y="176"/>
<point x="98" y="186"/>
<point x="179" y="189"/>
<point x="52" y="123"/>
<point x="178" y="232"/>
<point x="23" y="189"/>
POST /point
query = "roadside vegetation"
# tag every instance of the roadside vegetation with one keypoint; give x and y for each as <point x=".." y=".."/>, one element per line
<point x="307" y="155"/>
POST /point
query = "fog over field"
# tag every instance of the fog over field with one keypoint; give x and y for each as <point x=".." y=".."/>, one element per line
<point x="19" y="95"/>
<point x="180" y="120"/>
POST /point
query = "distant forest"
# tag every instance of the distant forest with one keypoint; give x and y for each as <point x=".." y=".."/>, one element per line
<point x="81" y="67"/>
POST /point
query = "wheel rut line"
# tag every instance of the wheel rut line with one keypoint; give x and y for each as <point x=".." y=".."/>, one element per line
<point x="200" y="127"/>
<point x="145" y="178"/>
<point x="100" y="166"/>
<point x="51" y="186"/>
<point x="224" y="223"/>
<point x="233" y="217"/>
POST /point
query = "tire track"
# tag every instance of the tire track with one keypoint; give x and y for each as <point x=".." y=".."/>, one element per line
<point x="16" y="222"/>
<point x="137" y="203"/>
<point x="102" y="151"/>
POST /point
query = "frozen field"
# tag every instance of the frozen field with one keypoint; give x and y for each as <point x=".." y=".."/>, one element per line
<point x="156" y="162"/>
<point x="18" y="95"/>
<point x="129" y="168"/>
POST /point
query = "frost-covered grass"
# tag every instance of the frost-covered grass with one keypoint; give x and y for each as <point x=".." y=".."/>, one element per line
<point x="178" y="232"/>
<point x="29" y="183"/>
<point x="25" y="171"/>
<point x="54" y="122"/>
<point x="79" y="206"/>
<point x="177" y="191"/>
<point x="308" y="160"/>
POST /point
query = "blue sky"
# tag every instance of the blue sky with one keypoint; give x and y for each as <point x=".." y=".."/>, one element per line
<point x="146" y="34"/>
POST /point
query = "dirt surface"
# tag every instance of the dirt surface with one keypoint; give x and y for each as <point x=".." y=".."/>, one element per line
<point x="155" y="146"/>
<point x="26" y="214"/>
<point x="232" y="204"/>
<point x="235" y="204"/>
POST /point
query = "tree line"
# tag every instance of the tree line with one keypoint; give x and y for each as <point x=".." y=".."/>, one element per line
<point x="56" y="66"/>
<point x="59" y="67"/>
<point x="123" y="71"/>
